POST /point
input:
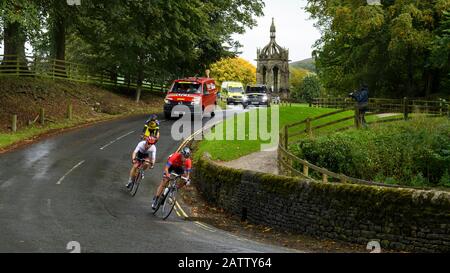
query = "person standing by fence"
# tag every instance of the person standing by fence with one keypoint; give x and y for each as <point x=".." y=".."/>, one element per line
<point x="362" y="98"/>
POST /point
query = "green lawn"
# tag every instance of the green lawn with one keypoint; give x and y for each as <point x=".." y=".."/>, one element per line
<point x="226" y="150"/>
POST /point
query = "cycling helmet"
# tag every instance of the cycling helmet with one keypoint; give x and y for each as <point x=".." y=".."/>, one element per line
<point x="154" y="117"/>
<point x="153" y="125"/>
<point x="186" y="152"/>
<point x="151" y="140"/>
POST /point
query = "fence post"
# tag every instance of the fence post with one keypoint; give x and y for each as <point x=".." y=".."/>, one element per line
<point x="14" y="123"/>
<point x="305" y="171"/>
<point x="308" y="127"/>
<point x="325" y="178"/>
<point x="286" y="138"/>
<point x="448" y="109"/>
<point x="42" y="116"/>
<point x="69" y="111"/>
<point x="405" y="108"/>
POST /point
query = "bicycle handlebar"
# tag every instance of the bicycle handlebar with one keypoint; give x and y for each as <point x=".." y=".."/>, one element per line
<point x="177" y="175"/>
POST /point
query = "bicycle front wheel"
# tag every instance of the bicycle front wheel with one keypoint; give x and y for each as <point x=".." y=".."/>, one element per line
<point x="135" y="186"/>
<point x="169" y="203"/>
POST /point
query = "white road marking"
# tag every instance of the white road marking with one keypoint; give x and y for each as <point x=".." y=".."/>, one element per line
<point x="71" y="170"/>
<point x="117" y="139"/>
<point x="203" y="226"/>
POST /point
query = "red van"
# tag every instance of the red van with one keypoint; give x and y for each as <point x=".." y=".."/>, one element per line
<point x="198" y="94"/>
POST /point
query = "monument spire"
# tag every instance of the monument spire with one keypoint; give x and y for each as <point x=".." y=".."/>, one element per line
<point x="273" y="30"/>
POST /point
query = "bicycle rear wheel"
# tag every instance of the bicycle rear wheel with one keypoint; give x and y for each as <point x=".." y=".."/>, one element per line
<point x="169" y="203"/>
<point x="159" y="203"/>
<point x="136" y="183"/>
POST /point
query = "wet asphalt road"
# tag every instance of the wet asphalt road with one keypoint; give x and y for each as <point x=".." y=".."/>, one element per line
<point x="71" y="188"/>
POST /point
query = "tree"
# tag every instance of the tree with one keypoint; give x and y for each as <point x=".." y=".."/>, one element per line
<point x="18" y="17"/>
<point x="164" y="39"/>
<point x="440" y="51"/>
<point x="233" y="69"/>
<point x="140" y="40"/>
<point x="386" y="46"/>
<point x="297" y="75"/>
<point x="310" y="88"/>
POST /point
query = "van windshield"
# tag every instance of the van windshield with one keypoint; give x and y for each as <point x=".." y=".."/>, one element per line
<point x="256" y="89"/>
<point x="236" y="90"/>
<point x="187" y="88"/>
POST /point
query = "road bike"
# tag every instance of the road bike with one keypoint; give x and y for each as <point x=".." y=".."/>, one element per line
<point x="169" y="197"/>
<point x="133" y="188"/>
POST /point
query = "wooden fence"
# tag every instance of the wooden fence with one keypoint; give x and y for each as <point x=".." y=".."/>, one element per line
<point x="291" y="165"/>
<point x="406" y="106"/>
<point x="34" y="66"/>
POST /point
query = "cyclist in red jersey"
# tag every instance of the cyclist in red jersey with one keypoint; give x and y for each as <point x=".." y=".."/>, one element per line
<point x="181" y="164"/>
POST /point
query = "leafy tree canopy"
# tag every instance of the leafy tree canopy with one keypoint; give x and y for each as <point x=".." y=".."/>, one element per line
<point x="233" y="69"/>
<point x="398" y="48"/>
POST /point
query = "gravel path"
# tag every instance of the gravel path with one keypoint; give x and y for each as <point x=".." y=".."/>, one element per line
<point x="265" y="161"/>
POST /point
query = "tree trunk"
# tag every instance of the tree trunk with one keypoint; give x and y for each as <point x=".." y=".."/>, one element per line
<point x="140" y="76"/>
<point x="113" y="76"/>
<point x="59" y="44"/>
<point x="410" y="82"/>
<point x="14" y="46"/>
<point x="429" y="82"/>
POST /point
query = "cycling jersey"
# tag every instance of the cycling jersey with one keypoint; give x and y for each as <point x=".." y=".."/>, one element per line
<point x="142" y="153"/>
<point x="175" y="161"/>
<point x="151" y="131"/>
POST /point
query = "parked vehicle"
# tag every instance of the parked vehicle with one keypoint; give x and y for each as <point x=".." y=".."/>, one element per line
<point x="276" y="99"/>
<point x="197" y="94"/>
<point x="258" y="94"/>
<point x="234" y="93"/>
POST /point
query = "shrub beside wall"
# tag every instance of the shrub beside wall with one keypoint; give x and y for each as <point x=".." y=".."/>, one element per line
<point x="413" y="153"/>
<point x="401" y="219"/>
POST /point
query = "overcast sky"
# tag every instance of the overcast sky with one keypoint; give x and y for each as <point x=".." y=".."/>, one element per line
<point x="295" y="30"/>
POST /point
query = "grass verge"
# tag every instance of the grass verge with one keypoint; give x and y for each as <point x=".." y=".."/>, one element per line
<point x="225" y="146"/>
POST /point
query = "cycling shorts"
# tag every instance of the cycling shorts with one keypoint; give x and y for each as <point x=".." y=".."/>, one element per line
<point x="177" y="170"/>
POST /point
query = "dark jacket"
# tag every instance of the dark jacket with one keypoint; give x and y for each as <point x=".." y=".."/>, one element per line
<point x="362" y="96"/>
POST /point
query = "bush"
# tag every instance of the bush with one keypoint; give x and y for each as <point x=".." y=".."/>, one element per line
<point x="307" y="88"/>
<point x="415" y="153"/>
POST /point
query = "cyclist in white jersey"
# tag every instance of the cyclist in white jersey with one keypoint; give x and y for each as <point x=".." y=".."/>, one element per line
<point x="141" y="157"/>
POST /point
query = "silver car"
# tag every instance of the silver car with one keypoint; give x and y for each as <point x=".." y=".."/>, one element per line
<point x="258" y="95"/>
